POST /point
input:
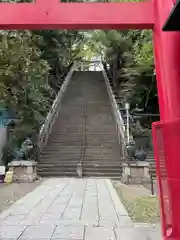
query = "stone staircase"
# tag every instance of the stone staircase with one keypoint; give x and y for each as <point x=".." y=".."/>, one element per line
<point x="84" y="133"/>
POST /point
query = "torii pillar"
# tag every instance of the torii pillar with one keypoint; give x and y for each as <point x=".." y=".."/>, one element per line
<point x="51" y="14"/>
<point x="167" y="63"/>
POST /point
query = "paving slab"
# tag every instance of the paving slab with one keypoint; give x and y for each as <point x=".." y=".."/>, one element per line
<point x="137" y="233"/>
<point x="97" y="233"/>
<point x="38" y="232"/>
<point x="78" y="209"/>
<point x="69" y="232"/>
<point x="11" y="232"/>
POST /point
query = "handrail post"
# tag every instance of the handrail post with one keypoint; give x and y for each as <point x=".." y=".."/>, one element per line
<point x="81" y="66"/>
<point x="152" y="184"/>
<point x="127" y="123"/>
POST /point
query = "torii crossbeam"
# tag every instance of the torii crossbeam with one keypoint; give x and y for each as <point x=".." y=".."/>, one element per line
<point x="52" y="14"/>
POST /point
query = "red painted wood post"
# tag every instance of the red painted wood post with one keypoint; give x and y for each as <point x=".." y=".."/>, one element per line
<point x="47" y="2"/>
<point x="167" y="62"/>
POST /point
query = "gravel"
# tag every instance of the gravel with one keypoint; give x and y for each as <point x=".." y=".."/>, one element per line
<point x="10" y="193"/>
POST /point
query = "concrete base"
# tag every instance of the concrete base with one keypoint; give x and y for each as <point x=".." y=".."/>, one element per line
<point x="135" y="172"/>
<point x="23" y="171"/>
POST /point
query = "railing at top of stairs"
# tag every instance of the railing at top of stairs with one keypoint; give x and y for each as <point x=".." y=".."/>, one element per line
<point x="86" y="65"/>
<point x="52" y="115"/>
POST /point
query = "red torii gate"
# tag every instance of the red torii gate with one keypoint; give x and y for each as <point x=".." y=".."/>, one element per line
<point x="52" y="14"/>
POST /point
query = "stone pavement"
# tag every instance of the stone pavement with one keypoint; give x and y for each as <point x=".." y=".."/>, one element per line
<point x="78" y="209"/>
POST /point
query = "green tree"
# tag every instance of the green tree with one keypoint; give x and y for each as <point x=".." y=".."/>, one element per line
<point x="32" y="68"/>
<point x="23" y="78"/>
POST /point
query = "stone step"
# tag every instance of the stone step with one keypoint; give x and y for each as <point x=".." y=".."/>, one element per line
<point x="102" y="163"/>
<point x="56" y="159"/>
<point x="62" y="150"/>
<point x="102" y="174"/>
<point x="58" y="138"/>
<point x="57" y="169"/>
<point x="47" y="174"/>
<point x="85" y="167"/>
<point x="69" y="129"/>
<point x="102" y="169"/>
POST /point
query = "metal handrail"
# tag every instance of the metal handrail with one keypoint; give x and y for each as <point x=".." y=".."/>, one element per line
<point x="85" y="63"/>
<point x="119" y="120"/>
<point x="127" y="137"/>
<point x="52" y="115"/>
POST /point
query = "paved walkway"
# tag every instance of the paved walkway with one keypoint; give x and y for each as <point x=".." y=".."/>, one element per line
<point x="78" y="209"/>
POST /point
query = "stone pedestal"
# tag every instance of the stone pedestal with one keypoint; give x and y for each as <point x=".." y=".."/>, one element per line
<point x="23" y="171"/>
<point x="135" y="172"/>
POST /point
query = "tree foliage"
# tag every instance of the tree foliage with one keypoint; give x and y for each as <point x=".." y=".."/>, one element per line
<point x="129" y="55"/>
<point x="32" y="68"/>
